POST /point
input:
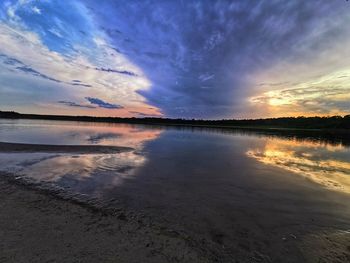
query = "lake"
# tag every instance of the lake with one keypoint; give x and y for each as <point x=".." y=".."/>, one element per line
<point x="235" y="191"/>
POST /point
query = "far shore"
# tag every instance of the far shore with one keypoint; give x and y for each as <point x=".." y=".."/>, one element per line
<point x="333" y="130"/>
<point x="331" y="124"/>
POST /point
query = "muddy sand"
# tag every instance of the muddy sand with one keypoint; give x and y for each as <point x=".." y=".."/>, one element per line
<point x="39" y="227"/>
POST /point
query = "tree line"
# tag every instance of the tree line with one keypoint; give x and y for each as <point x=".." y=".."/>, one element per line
<point x="331" y="122"/>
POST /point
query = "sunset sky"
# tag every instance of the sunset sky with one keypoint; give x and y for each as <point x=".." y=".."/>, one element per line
<point x="190" y="59"/>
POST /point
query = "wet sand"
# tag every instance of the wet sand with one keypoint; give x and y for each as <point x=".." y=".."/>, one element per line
<point x="42" y="226"/>
<point x="37" y="226"/>
<point x="79" y="149"/>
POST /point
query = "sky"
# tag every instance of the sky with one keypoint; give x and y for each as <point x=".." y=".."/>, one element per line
<point x="189" y="59"/>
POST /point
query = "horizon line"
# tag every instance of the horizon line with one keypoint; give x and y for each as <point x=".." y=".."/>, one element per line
<point x="179" y="118"/>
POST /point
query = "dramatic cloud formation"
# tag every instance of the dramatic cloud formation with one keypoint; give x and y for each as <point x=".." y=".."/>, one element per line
<point x="203" y="59"/>
<point x="54" y="56"/>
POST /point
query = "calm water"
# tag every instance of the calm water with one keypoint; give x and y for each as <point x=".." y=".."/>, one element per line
<point x="223" y="185"/>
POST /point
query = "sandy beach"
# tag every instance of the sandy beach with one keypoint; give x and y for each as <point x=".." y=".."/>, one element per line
<point x="43" y="226"/>
<point x="40" y="227"/>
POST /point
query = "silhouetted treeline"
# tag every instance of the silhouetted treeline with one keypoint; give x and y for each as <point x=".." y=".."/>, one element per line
<point x="334" y="122"/>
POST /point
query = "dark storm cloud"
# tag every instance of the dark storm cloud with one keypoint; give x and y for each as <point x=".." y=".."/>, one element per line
<point x="74" y="104"/>
<point x="102" y="104"/>
<point x="199" y="54"/>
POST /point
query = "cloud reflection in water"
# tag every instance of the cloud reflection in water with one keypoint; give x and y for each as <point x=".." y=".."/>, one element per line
<point x="85" y="173"/>
<point x="309" y="159"/>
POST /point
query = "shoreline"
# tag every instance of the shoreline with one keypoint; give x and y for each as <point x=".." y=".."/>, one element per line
<point x="53" y="224"/>
<point x="41" y="224"/>
<point x="330" y="124"/>
<point x="186" y="125"/>
<point x="333" y="136"/>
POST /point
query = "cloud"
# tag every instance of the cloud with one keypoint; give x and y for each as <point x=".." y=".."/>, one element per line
<point x="36" y="10"/>
<point x="20" y="66"/>
<point x="74" y="104"/>
<point x="205" y="77"/>
<point x="55" y="32"/>
<point x="320" y="100"/>
<point x="102" y="104"/>
<point x="80" y="84"/>
<point x="199" y="59"/>
<point x="327" y="92"/>
<point x="76" y="82"/>
<point x="29" y="70"/>
<point x="141" y="114"/>
<point x="231" y="40"/>
<point x="117" y="71"/>
<point x="33" y="52"/>
<point x="10" y="61"/>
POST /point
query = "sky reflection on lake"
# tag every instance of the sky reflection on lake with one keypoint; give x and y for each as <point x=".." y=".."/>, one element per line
<point x="75" y="133"/>
<point x="325" y="164"/>
<point x="216" y="185"/>
<point x="85" y="173"/>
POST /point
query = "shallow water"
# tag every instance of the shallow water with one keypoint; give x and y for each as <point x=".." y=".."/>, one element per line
<point x="220" y="184"/>
<point x="325" y="164"/>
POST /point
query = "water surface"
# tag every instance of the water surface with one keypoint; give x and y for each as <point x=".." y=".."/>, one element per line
<point x="229" y="187"/>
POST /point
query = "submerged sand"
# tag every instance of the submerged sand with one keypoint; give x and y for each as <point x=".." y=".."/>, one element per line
<point x="6" y="147"/>
<point x="39" y="227"/>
